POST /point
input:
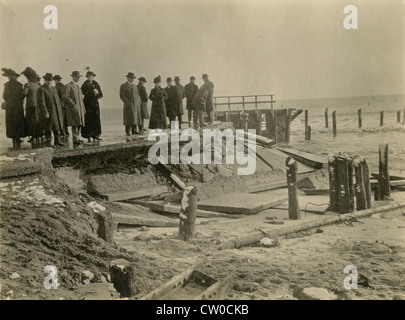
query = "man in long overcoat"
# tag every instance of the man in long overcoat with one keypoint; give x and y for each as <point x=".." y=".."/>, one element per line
<point x="60" y="89"/>
<point x="180" y="96"/>
<point x="74" y="106"/>
<point x="199" y="105"/>
<point x="92" y="93"/>
<point x="129" y="94"/>
<point x="172" y="100"/>
<point x="209" y="107"/>
<point x="144" y="102"/>
<point x="50" y="111"/>
<point x="13" y="104"/>
<point x="190" y="90"/>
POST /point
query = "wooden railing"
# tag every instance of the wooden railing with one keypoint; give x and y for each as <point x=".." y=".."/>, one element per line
<point x="243" y="100"/>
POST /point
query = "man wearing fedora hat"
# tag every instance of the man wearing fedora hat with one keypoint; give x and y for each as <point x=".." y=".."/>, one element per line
<point x="172" y="100"/>
<point x="129" y="94"/>
<point x="50" y="111"/>
<point x="92" y="93"/>
<point x="209" y="106"/>
<point x="60" y="89"/>
<point x="180" y="96"/>
<point x="13" y="104"/>
<point x="190" y="90"/>
<point x="74" y="106"/>
<point x="144" y="102"/>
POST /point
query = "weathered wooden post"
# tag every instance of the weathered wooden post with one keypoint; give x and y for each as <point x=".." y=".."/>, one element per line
<point x="288" y="131"/>
<point x="188" y="213"/>
<point x="226" y="116"/>
<point x="360" y="119"/>
<point x="309" y="133"/>
<point x="334" y="123"/>
<point x="381" y="118"/>
<point x="350" y="176"/>
<point x="123" y="276"/>
<point x="367" y="184"/>
<point x="343" y="189"/>
<point x="383" y="176"/>
<point x="244" y="118"/>
<point x="258" y="115"/>
<point x="326" y="118"/>
<point x="361" y="201"/>
<point x="403" y="117"/>
<point x="332" y="170"/>
<point x="306" y="125"/>
<point x="293" y="204"/>
<point x="398" y="116"/>
<point x="229" y="107"/>
<point x="212" y="117"/>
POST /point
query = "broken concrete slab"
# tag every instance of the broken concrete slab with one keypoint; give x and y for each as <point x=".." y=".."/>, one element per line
<point x="125" y="219"/>
<point x="18" y="168"/>
<point x="243" y="203"/>
<point x="308" y="159"/>
<point x="314" y="204"/>
<point x="135" y="194"/>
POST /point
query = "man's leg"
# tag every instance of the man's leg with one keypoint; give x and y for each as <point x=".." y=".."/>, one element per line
<point x="180" y="117"/>
<point x="195" y="118"/>
<point x="75" y="134"/>
<point x="189" y="113"/>
<point x="201" y="118"/>
<point x="48" y="138"/>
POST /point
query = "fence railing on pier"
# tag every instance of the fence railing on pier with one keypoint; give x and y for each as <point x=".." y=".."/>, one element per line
<point x="269" y="122"/>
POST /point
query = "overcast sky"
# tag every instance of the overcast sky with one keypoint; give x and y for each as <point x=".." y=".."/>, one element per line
<point x="292" y="48"/>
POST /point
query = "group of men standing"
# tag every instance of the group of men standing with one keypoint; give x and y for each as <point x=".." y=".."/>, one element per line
<point x="51" y="109"/>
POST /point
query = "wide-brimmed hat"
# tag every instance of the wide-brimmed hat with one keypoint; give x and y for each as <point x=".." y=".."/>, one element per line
<point x="169" y="79"/>
<point x="57" y="77"/>
<point x="157" y="79"/>
<point x="75" y="74"/>
<point x="142" y="79"/>
<point x="9" y="72"/>
<point x="176" y="78"/>
<point x="48" y="77"/>
<point x="29" y="72"/>
<point x="90" y="73"/>
<point x="204" y="76"/>
<point x="131" y="75"/>
<point x="192" y="78"/>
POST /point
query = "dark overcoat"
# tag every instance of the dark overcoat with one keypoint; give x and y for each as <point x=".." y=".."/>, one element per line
<point x="49" y="104"/>
<point x="190" y="91"/>
<point x="180" y="96"/>
<point x="158" y="96"/>
<point x="132" y="104"/>
<point x="200" y="99"/>
<point x="13" y="98"/>
<point x="172" y="102"/>
<point x="144" y="101"/>
<point x="74" y="104"/>
<point x="32" y="123"/>
<point x="92" y="122"/>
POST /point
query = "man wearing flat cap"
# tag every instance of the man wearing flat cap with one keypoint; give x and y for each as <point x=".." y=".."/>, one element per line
<point x="50" y="111"/>
<point x="172" y="100"/>
<point x="60" y="89"/>
<point x="144" y="102"/>
<point x="13" y="104"/>
<point x="180" y="96"/>
<point x="75" y="109"/>
<point x="129" y="94"/>
<point x="190" y="90"/>
<point x="92" y="93"/>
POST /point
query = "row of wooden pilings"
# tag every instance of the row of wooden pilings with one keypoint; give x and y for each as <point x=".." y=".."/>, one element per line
<point x="349" y="183"/>
<point x="334" y="121"/>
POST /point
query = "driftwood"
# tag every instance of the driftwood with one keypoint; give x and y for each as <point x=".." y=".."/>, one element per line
<point x="293" y="204"/>
<point x="188" y="213"/>
<point x="255" y="237"/>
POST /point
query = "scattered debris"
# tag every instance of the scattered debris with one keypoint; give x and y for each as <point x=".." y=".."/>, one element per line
<point x="14" y="276"/>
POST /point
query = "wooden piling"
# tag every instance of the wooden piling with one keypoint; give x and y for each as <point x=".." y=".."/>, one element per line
<point x="360" y="118"/>
<point x="306" y="124"/>
<point x="326" y="118"/>
<point x="188" y="213"/>
<point x="398" y="116"/>
<point x="293" y="204"/>
<point x="384" y="176"/>
<point x="244" y="118"/>
<point x="288" y="129"/>
<point x="367" y="185"/>
<point x="381" y="118"/>
<point x="403" y="117"/>
<point x="343" y="188"/>
<point x="332" y="170"/>
<point x="227" y="118"/>
<point x="258" y="115"/>
<point x="334" y="123"/>
<point x="350" y="176"/>
<point x="309" y="133"/>
<point x="361" y="201"/>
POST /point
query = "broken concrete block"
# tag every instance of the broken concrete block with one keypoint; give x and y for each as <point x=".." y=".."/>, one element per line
<point x="123" y="277"/>
<point x="269" y="242"/>
<point x="316" y="180"/>
<point x="14" y="275"/>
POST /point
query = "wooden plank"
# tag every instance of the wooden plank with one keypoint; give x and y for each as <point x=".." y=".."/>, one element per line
<point x="311" y="160"/>
<point x="276" y="159"/>
<point x="259" y="139"/>
<point x="394" y="175"/>
<point x="161" y="207"/>
<point x="315" y="192"/>
<point x="242" y="203"/>
<point x="138" y="193"/>
<point x="137" y="221"/>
